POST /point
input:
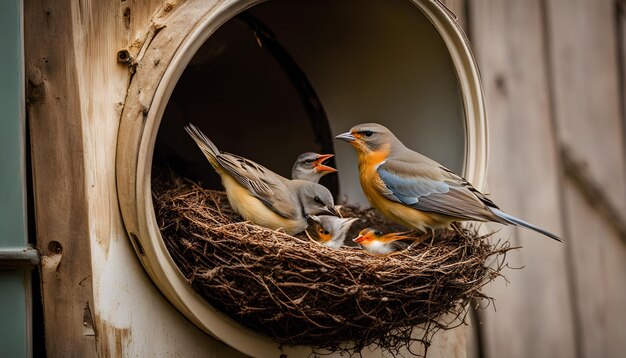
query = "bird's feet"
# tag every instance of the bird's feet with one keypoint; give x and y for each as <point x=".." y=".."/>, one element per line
<point x="458" y="229"/>
<point x="428" y="234"/>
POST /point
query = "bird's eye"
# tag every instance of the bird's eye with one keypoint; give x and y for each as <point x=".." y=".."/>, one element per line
<point x="326" y="232"/>
<point x="378" y="233"/>
<point x="308" y="161"/>
<point x="322" y="231"/>
<point x="368" y="133"/>
<point x="318" y="200"/>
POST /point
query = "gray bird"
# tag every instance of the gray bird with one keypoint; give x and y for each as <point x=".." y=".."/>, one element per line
<point x="329" y="230"/>
<point x="416" y="191"/>
<point x="309" y="166"/>
<point x="262" y="196"/>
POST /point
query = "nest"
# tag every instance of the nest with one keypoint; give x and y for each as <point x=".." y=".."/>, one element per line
<point x="301" y="293"/>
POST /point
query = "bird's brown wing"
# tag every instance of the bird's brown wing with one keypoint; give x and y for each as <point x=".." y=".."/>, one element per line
<point x="261" y="182"/>
<point x="433" y="188"/>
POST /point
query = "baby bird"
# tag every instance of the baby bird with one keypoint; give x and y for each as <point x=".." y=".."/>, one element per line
<point x="377" y="243"/>
<point x="309" y="166"/>
<point x="262" y="196"/>
<point x="329" y="230"/>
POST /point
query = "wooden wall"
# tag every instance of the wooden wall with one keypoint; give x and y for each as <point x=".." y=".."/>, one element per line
<point x="553" y="73"/>
<point x="98" y="300"/>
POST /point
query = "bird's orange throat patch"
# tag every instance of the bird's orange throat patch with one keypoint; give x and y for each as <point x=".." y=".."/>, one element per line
<point x="369" y="158"/>
<point x="368" y="163"/>
<point x="373" y="187"/>
<point x="324" y="237"/>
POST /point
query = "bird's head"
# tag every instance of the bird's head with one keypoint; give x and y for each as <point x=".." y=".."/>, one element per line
<point x="369" y="137"/>
<point x="331" y="227"/>
<point x="310" y="166"/>
<point x="317" y="229"/>
<point x="315" y="199"/>
<point x="367" y="236"/>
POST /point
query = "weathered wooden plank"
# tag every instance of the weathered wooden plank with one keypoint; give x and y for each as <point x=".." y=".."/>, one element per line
<point x="61" y="213"/>
<point x="583" y="58"/>
<point x="534" y="316"/>
<point x="75" y="91"/>
<point x="583" y="55"/>
<point x="131" y="316"/>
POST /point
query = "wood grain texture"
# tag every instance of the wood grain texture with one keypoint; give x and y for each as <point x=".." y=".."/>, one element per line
<point x="534" y="316"/>
<point x="621" y="36"/>
<point x="585" y="77"/>
<point x="97" y="298"/>
<point x="61" y="210"/>
<point x="132" y="317"/>
<point x="583" y="55"/>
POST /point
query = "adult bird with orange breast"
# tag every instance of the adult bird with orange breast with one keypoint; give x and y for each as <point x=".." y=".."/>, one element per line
<point x="262" y="196"/>
<point x="375" y="242"/>
<point x="416" y="191"/>
<point x="310" y="167"/>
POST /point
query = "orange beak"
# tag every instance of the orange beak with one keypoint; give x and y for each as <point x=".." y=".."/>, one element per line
<point x="321" y="167"/>
<point x="359" y="239"/>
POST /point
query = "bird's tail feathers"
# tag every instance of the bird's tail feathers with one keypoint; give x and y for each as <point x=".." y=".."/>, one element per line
<point x="208" y="148"/>
<point x="519" y="222"/>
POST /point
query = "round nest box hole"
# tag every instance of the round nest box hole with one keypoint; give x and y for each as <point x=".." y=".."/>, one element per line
<point x="268" y="81"/>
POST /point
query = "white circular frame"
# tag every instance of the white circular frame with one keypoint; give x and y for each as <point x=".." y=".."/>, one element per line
<point x="172" y="40"/>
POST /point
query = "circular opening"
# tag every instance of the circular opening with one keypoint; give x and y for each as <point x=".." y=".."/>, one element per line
<point x="383" y="62"/>
<point x="401" y="63"/>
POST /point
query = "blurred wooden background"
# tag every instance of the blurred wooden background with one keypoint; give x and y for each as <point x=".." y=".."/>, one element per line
<point x="553" y="73"/>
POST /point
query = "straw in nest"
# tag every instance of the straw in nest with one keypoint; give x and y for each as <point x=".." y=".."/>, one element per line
<point x="301" y="293"/>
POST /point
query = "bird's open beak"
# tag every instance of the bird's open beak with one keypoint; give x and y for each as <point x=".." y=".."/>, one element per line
<point x="359" y="239"/>
<point x="347" y="136"/>
<point x="321" y="167"/>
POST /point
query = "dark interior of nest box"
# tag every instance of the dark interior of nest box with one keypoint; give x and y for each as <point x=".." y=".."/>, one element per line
<point x="364" y="60"/>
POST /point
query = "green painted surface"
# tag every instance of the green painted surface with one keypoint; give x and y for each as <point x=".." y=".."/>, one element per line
<point x="12" y="224"/>
<point x="13" y="342"/>
<point x="14" y="285"/>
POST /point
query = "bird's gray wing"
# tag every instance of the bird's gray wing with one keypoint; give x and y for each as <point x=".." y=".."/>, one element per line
<point x="261" y="182"/>
<point x="433" y="189"/>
